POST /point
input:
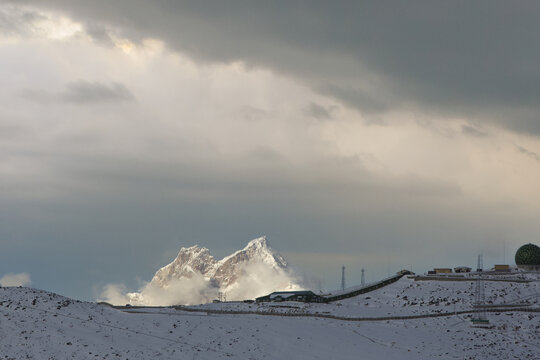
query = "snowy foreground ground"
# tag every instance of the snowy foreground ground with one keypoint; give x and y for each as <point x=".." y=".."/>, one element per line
<point x="35" y="324"/>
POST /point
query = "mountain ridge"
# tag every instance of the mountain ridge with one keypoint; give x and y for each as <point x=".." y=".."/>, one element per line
<point x="252" y="271"/>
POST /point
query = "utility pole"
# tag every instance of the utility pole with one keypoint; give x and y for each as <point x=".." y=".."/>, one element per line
<point x="363" y="279"/>
<point x="343" y="278"/>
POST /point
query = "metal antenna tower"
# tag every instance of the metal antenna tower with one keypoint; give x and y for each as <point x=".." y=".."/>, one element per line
<point x="480" y="266"/>
<point x="343" y="278"/>
<point x="480" y="297"/>
<point x="479" y="304"/>
<point x="363" y="279"/>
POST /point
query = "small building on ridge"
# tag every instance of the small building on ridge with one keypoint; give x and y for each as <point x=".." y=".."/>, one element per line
<point x="300" y="295"/>
<point x="502" y="268"/>
<point x="442" y="270"/>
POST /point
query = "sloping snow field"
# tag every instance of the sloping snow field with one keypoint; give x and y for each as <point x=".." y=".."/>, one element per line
<point x="35" y="324"/>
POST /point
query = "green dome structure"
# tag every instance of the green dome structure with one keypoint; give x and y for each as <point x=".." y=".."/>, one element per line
<point x="528" y="256"/>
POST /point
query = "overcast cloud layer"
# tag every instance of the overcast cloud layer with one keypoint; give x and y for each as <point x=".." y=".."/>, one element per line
<point x="365" y="135"/>
<point x="458" y="58"/>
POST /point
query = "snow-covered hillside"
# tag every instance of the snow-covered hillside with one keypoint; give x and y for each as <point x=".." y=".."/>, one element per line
<point x="39" y="325"/>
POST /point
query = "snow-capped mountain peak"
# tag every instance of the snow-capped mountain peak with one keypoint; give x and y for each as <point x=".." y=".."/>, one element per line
<point x="256" y="253"/>
<point x="189" y="262"/>
<point x="258" y="249"/>
<point x="256" y="263"/>
<point x="259" y="242"/>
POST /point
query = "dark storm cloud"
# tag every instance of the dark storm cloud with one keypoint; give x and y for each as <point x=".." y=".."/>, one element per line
<point x="82" y="92"/>
<point x="319" y="112"/>
<point x="529" y="153"/>
<point x="468" y="58"/>
<point x="472" y="131"/>
<point x="252" y="113"/>
<point x="16" y="21"/>
<point x="369" y="101"/>
<point x="99" y="33"/>
<point x="38" y="96"/>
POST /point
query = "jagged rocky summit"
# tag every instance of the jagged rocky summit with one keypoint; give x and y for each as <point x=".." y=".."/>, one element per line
<point x="253" y="271"/>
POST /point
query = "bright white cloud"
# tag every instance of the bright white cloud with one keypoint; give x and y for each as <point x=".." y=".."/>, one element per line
<point x="20" y="279"/>
<point x="23" y="21"/>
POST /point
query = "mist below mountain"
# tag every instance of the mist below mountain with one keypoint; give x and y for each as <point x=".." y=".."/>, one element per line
<point x="196" y="277"/>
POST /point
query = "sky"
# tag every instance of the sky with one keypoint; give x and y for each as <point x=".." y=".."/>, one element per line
<point x="372" y="135"/>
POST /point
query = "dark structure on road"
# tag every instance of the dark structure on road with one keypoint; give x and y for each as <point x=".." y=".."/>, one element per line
<point x="301" y="295"/>
<point x="462" y="269"/>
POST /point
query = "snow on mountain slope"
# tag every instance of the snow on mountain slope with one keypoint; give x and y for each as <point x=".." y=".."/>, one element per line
<point x="39" y="325"/>
<point x="195" y="276"/>
<point x="197" y="260"/>
<point x="190" y="261"/>
<point x="257" y="253"/>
